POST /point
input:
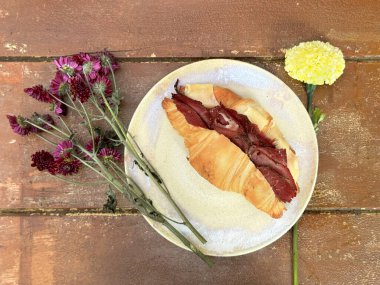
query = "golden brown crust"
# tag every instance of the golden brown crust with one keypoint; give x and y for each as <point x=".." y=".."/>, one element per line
<point x="223" y="164"/>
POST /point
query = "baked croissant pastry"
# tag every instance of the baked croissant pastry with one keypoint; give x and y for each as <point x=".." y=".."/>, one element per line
<point x="235" y="145"/>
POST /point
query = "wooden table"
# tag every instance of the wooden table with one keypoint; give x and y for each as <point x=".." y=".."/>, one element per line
<point x="54" y="233"/>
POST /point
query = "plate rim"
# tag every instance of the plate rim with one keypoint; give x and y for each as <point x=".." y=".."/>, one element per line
<point x="240" y="252"/>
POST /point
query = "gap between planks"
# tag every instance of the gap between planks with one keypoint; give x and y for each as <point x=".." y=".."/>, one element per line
<point x="132" y="211"/>
<point x="173" y="59"/>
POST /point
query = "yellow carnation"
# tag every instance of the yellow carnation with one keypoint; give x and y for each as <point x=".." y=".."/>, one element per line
<point x="315" y="62"/>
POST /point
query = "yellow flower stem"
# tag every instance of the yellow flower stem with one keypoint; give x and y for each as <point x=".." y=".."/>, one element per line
<point x="310" y="88"/>
<point x="295" y="254"/>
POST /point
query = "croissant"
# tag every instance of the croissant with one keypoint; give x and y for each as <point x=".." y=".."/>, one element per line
<point x="220" y="155"/>
<point x="211" y="96"/>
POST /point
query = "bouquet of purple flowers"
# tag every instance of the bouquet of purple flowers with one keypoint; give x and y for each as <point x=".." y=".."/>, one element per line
<point x="85" y="84"/>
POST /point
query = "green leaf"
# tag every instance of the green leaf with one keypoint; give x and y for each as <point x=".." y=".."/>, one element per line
<point x="110" y="205"/>
<point x="317" y="117"/>
<point x="97" y="131"/>
<point x="115" y="100"/>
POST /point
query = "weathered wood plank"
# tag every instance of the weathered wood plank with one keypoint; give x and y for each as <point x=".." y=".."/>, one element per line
<point x="10" y="250"/>
<point x="348" y="139"/>
<point x="334" y="249"/>
<point x="187" y="29"/>
<point x="339" y="249"/>
<point x="121" y="250"/>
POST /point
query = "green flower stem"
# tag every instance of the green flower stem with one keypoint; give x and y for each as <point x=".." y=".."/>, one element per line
<point x="105" y="173"/>
<point x="74" y="105"/>
<point x="118" y="173"/>
<point x="179" y="235"/>
<point x="56" y="128"/>
<point x="132" y="185"/>
<point x="295" y="254"/>
<point x="46" y="140"/>
<point x="135" y="185"/>
<point x="120" y="131"/>
<point x="97" y="160"/>
<point x="150" y="207"/>
<point x="148" y="171"/>
<point x="186" y="242"/>
<point x="115" y="128"/>
<point x="45" y="130"/>
<point x="64" y="124"/>
<point x="136" y="146"/>
<point x="114" y="117"/>
<point x="162" y="187"/>
<point x="89" y="127"/>
<point x="310" y="88"/>
<point x="112" y="181"/>
<point x="118" y="168"/>
<point x="128" y="180"/>
<point x="62" y="102"/>
<point x="109" y="177"/>
<point x="112" y="76"/>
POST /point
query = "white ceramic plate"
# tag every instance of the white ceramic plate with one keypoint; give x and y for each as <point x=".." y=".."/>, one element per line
<point x="231" y="225"/>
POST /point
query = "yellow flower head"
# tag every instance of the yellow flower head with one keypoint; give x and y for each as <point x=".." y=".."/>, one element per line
<point x="314" y="62"/>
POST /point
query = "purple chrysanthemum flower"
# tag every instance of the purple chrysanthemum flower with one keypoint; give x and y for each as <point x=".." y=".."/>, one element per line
<point x="110" y="154"/>
<point x="63" y="149"/>
<point x="67" y="66"/>
<point x="107" y="60"/>
<point x="102" y="85"/>
<point x="90" y="145"/>
<point x="79" y="89"/>
<point x="58" y="88"/>
<point x="43" y="160"/>
<point x="59" y="108"/>
<point x="39" y="93"/>
<point x="36" y="119"/>
<point x="59" y="85"/>
<point x="67" y="165"/>
<point x="91" y="66"/>
<point x="19" y="125"/>
<point x="78" y="58"/>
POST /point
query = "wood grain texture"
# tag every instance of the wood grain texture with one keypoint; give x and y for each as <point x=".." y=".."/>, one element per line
<point x="334" y="249"/>
<point x="121" y="250"/>
<point x="348" y="139"/>
<point x="187" y="29"/>
<point x="339" y="249"/>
